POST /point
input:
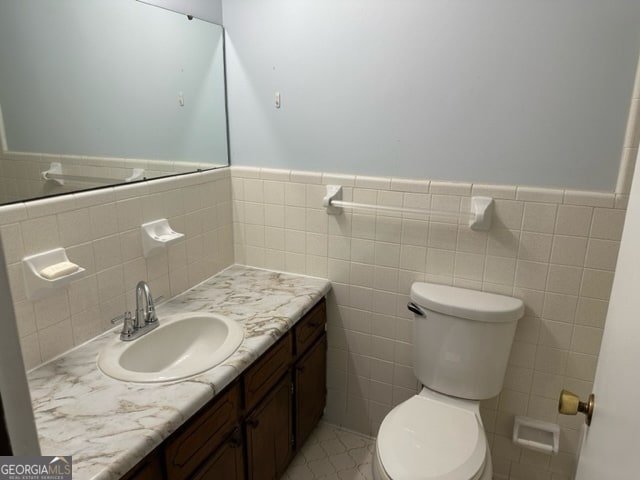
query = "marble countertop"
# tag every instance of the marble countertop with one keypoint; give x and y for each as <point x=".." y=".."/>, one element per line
<point x="109" y="426"/>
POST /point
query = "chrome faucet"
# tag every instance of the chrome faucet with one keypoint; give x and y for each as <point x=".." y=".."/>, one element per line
<point x="145" y="319"/>
<point x="145" y="309"/>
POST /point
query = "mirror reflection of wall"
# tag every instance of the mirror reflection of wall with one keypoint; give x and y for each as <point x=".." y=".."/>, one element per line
<point x="103" y="88"/>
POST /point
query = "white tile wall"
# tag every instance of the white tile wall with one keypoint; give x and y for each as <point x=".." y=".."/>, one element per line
<point x="101" y="232"/>
<point x="555" y="249"/>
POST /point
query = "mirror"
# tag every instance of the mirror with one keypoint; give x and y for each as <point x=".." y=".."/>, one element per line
<point x="96" y="93"/>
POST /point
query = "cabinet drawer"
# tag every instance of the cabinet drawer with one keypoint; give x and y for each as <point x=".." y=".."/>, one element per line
<point x="310" y="327"/>
<point x="193" y="444"/>
<point x="267" y="370"/>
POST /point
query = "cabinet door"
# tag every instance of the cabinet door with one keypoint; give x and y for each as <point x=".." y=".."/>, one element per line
<point x="200" y="437"/>
<point x="226" y="463"/>
<point x="148" y="469"/>
<point x="269" y="433"/>
<point x="310" y="388"/>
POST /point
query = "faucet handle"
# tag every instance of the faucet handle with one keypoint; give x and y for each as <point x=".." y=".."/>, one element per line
<point x="128" y="327"/>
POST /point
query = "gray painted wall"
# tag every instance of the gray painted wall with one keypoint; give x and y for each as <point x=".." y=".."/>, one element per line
<point x="498" y="91"/>
<point x="89" y="77"/>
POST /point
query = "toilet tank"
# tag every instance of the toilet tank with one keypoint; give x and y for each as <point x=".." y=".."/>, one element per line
<point x="462" y="339"/>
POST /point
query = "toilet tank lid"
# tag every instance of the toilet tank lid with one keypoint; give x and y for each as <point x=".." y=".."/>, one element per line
<point x="465" y="303"/>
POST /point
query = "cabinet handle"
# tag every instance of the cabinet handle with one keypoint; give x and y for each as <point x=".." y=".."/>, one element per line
<point x="252" y="422"/>
<point x="235" y="440"/>
<point x="314" y="324"/>
<point x="300" y="369"/>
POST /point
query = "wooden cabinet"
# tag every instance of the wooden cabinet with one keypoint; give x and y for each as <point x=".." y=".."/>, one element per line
<point x="266" y="371"/>
<point x="270" y="433"/>
<point x="310" y="389"/>
<point x="253" y="428"/>
<point x="226" y="463"/>
<point x="196" y="441"/>
<point x="150" y="468"/>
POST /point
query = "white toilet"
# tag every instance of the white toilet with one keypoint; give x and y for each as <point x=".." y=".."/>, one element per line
<point x="462" y="339"/>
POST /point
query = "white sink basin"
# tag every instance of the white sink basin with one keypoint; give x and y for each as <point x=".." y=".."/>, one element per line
<point x="181" y="346"/>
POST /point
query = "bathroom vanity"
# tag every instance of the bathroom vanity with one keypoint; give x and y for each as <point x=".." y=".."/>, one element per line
<point x="246" y="416"/>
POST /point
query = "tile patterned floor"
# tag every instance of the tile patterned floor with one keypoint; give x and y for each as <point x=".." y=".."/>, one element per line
<point x="332" y="453"/>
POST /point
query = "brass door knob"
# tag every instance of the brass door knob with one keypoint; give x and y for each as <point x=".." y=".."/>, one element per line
<point x="570" y="404"/>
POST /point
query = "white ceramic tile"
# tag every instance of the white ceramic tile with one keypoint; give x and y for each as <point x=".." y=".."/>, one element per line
<point x="83" y="294"/>
<point x="568" y="250"/>
<point x="30" y="346"/>
<point x="74" y="227"/>
<point x="573" y="220"/>
<point x="273" y="192"/>
<point x="539" y="217"/>
<point x="535" y="246"/>
<point x="607" y="223"/>
<point x="591" y="312"/>
<point x="55" y="339"/>
<point x="442" y="235"/>
<point x="499" y="270"/>
<point x="317" y="221"/>
<point x="586" y="339"/>
<point x="409" y="185"/>
<point x="338" y="179"/>
<point x="414" y="232"/>
<point x="560" y="307"/>
<point x="450" y="188"/>
<point x="440" y="262"/>
<point x="508" y="214"/>
<point x="40" y="234"/>
<point x="469" y="266"/>
<point x="379" y="183"/>
<point x="496" y="191"/>
<point x="563" y="279"/>
<point x="413" y="257"/>
<point x="110" y="283"/>
<point x="301" y="176"/>
<point x="12" y="244"/>
<point x="622" y="201"/>
<point x="555" y="334"/>
<point x="589" y="199"/>
<point x="295" y="218"/>
<point x="245" y="172"/>
<point x="503" y="243"/>
<point x="107" y="252"/>
<point x="50" y="206"/>
<point x="278" y="175"/>
<point x="12" y="213"/>
<point x="596" y="284"/>
<point x="531" y="274"/>
<point x="103" y="219"/>
<point x="602" y="254"/>
<point x="253" y="190"/>
<point x="551" y="360"/>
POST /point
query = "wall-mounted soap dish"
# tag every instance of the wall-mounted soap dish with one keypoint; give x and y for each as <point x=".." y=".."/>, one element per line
<point x="157" y="235"/>
<point x="46" y="271"/>
<point x="536" y="435"/>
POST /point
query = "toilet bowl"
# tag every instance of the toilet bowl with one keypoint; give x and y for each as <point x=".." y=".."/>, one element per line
<point x="462" y="339"/>
<point x="432" y="436"/>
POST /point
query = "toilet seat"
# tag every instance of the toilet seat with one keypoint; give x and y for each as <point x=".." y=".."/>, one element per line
<point x="428" y="438"/>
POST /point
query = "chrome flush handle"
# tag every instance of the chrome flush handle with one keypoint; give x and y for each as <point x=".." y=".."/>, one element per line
<point x="415" y="309"/>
